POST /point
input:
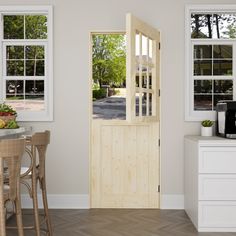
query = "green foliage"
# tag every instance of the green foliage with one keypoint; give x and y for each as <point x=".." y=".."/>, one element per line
<point x="99" y="93"/>
<point x="30" y="26"/>
<point x="109" y="59"/>
<point x="207" y="123"/>
<point x="4" y="108"/>
<point x="11" y="124"/>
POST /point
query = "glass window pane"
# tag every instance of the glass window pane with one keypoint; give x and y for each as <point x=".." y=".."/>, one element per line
<point x="150" y="104"/>
<point x="144" y="46"/>
<point x="223" y="51"/>
<point x="201" y="26"/>
<point x="137" y="44"/>
<point x="15" y="68"/>
<point x="202" y="67"/>
<point x="144" y="104"/>
<point x="13" y="27"/>
<point x="202" y="51"/>
<point x="36" y="27"/>
<point x="223" y="86"/>
<point x="222" y="67"/>
<point x="221" y="97"/>
<point x="34" y="52"/>
<point x="15" y="52"/>
<point x="137" y="104"/>
<point x="34" y="67"/>
<point x="14" y="89"/>
<point x="34" y="89"/>
<point x="224" y="26"/>
<point x="150" y="48"/>
<point x="202" y="86"/>
<point x="202" y="102"/>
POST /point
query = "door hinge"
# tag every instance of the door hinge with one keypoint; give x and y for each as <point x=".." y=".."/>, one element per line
<point x="159" y="92"/>
<point x="158" y="188"/>
<point x="159" y="46"/>
<point x="159" y="142"/>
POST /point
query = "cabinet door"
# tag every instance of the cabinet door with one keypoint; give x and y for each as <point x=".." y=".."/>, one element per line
<point x="217" y="187"/>
<point x="217" y="160"/>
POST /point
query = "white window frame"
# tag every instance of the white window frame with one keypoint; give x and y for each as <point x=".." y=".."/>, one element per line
<point x="47" y="114"/>
<point x="190" y="114"/>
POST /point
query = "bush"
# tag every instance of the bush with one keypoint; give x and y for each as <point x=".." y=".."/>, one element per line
<point x="99" y="93"/>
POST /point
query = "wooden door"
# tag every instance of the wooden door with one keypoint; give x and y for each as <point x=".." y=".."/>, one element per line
<point x="124" y="158"/>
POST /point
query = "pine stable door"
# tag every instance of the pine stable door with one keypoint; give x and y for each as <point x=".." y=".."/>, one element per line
<point x="124" y="154"/>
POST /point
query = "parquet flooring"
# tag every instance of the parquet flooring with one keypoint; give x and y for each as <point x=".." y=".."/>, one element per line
<point x="119" y="222"/>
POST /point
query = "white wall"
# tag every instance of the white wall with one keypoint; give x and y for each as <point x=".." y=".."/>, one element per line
<point x="68" y="161"/>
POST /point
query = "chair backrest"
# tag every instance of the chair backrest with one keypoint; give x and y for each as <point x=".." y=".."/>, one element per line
<point x="40" y="141"/>
<point x="11" y="152"/>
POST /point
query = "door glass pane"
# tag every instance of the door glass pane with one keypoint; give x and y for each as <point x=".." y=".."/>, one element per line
<point x="202" y="67"/>
<point x="144" y="104"/>
<point x="150" y="49"/>
<point x="202" y="102"/>
<point x="137" y="44"/>
<point x="222" y="67"/>
<point x="144" y="47"/>
<point x="202" y="51"/>
<point x="137" y="104"/>
<point x="150" y="104"/>
<point x="13" y="26"/>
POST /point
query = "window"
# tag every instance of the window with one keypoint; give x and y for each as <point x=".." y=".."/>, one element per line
<point x="210" y="59"/>
<point x="26" y="54"/>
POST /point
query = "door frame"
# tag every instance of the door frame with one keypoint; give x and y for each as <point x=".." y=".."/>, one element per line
<point x="91" y="33"/>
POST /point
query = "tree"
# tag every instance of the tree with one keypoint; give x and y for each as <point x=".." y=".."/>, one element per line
<point x="109" y="58"/>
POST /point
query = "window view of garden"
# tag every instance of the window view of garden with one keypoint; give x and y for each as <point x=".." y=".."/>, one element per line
<point x="24" y="60"/>
<point x="109" y="76"/>
<point x="213" y="60"/>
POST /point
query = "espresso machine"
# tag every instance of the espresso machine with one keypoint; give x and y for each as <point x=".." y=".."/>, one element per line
<point x="226" y="119"/>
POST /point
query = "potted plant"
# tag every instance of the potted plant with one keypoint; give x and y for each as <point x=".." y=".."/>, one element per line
<point x="206" y="129"/>
<point x="8" y="117"/>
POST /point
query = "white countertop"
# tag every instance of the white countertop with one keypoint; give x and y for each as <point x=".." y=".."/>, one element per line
<point x="215" y="140"/>
<point x="8" y="132"/>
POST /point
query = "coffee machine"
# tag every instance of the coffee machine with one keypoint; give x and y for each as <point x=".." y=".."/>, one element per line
<point x="226" y="119"/>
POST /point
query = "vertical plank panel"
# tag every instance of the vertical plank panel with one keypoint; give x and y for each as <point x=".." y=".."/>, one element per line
<point x="154" y="166"/>
<point x="95" y="170"/>
<point x="106" y="163"/>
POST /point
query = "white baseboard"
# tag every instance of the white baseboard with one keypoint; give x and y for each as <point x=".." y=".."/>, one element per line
<point x="172" y="201"/>
<point x="81" y="201"/>
<point x="59" y="201"/>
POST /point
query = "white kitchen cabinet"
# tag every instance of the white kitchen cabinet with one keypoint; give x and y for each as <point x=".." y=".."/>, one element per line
<point x="210" y="183"/>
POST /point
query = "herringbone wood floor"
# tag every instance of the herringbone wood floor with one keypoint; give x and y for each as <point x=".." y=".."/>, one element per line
<point x="119" y="222"/>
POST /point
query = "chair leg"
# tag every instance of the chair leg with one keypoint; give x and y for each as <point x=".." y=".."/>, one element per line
<point x="35" y="206"/>
<point x="45" y="206"/>
<point x="19" y="217"/>
<point x="2" y="221"/>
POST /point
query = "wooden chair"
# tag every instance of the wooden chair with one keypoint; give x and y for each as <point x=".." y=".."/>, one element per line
<point x="36" y="146"/>
<point x="11" y="151"/>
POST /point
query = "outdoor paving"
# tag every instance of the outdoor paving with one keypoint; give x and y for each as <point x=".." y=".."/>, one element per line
<point x="113" y="107"/>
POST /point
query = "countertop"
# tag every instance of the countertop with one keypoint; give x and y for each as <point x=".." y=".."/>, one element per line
<point x="213" y="140"/>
